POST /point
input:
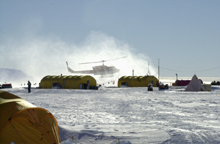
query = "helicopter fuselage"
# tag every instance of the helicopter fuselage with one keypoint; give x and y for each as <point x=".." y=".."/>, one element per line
<point x="97" y="70"/>
<point x="104" y="70"/>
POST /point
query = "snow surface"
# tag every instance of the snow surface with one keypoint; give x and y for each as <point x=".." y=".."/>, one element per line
<point x="131" y="115"/>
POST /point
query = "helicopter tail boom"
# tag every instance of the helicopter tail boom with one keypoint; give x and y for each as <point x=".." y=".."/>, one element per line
<point x="69" y="69"/>
<point x="84" y="71"/>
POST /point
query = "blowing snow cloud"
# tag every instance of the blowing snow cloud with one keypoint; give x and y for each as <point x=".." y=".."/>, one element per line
<point x="42" y="56"/>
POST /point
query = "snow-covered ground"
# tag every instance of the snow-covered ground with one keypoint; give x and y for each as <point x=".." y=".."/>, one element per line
<point x="131" y="115"/>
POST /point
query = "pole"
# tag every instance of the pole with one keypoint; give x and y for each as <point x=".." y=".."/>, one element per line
<point x="132" y="74"/>
<point x="158" y="69"/>
<point x="148" y="69"/>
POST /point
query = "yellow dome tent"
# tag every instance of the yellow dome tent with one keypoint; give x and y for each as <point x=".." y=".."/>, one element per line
<point x="23" y="123"/>
<point x="68" y="82"/>
<point x="137" y="81"/>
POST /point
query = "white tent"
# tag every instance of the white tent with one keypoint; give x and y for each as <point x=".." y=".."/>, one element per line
<point x="195" y="85"/>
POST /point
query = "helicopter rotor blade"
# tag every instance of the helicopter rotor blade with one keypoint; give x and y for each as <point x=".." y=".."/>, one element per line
<point x="93" y="62"/>
<point x="102" y="61"/>
<point x="116" y="58"/>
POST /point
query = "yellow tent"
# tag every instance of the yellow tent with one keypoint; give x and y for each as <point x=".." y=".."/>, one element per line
<point x="23" y="123"/>
<point x="68" y="82"/>
<point x="137" y="81"/>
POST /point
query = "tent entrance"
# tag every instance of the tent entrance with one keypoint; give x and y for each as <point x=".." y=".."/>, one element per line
<point x="83" y="86"/>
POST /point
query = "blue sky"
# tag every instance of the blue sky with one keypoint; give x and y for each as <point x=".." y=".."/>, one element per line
<point x="183" y="34"/>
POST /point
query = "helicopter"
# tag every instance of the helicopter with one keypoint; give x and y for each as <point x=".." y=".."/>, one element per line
<point x="102" y="70"/>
